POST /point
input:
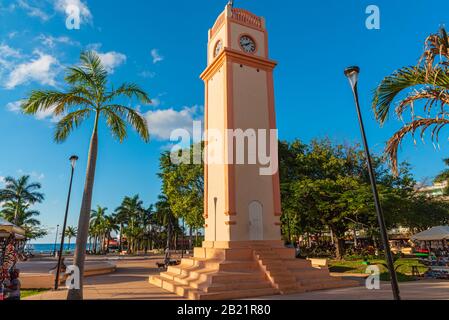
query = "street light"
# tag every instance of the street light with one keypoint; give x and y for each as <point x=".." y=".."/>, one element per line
<point x="56" y="240"/>
<point x="352" y="73"/>
<point x="73" y="160"/>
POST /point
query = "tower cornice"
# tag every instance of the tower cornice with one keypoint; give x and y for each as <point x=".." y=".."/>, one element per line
<point x="232" y="55"/>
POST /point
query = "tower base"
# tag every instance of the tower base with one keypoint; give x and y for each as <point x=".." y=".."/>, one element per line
<point x="235" y="270"/>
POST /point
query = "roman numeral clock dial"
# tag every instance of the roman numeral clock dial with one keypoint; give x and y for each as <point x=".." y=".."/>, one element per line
<point x="248" y="44"/>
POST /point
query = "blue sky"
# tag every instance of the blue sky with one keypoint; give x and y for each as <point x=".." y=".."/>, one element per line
<point x="161" y="45"/>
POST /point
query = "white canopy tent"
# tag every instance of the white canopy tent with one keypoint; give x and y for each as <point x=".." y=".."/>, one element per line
<point x="433" y="234"/>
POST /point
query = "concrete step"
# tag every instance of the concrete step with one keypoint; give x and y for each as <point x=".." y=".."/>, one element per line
<point x="296" y="263"/>
<point x="310" y="273"/>
<point x="218" y="287"/>
<point x="229" y="295"/>
<point x="232" y="277"/>
<point x="236" y="266"/>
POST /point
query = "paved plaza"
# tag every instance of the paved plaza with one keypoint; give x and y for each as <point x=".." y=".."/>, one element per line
<point x="130" y="281"/>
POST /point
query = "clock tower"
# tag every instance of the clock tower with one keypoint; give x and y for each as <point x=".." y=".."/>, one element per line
<point x="243" y="254"/>
<point x="241" y="204"/>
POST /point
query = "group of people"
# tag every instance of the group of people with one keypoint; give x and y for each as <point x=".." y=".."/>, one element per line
<point x="9" y="276"/>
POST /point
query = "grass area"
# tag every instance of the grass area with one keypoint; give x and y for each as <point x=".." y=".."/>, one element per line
<point x="27" y="293"/>
<point x="403" y="267"/>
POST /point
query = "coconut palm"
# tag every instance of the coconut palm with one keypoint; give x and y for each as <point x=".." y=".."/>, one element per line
<point x="165" y="217"/>
<point x="129" y="212"/>
<point x="19" y="194"/>
<point x="97" y="221"/>
<point x="70" y="232"/>
<point x="420" y="90"/>
<point x="88" y="95"/>
<point x="109" y="225"/>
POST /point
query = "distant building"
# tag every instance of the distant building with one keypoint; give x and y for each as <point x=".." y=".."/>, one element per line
<point x="435" y="190"/>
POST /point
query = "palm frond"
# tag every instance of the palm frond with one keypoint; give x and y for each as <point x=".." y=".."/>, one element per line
<point x="70" y="122"/>
<point x="116" y="124"/>
<point x="129" y="90"/>
<point x="422" y="124"/>
<point x="432" y="95"/>
<point x="57" y="101"/>
<point x="405" y="78"/>
<point x="134" y="118"/>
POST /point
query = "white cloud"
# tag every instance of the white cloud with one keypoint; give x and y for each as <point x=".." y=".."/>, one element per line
<point x="8" y="52"/>
<point x="14" y="106"/>
<point x="147" y="74"/>
<point x="155" y="102"/>
<point x="40" y="115"/>
<point x="111" y="60"/>
<point x="51" y="41"/>
<point x="156" y="56"/>
<point x="32" y="174"/>
<point x="32" y="10"/>
<point x="161" y="123"/>
<point x="2" y="180"/>
<point x="40" y="69"/>
<point x="85" y="14"/>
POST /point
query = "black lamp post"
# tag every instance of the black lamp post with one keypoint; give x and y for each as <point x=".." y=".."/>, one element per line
<point x="73" y="160"/>
<point x="352" y="73"/>
<point x="56" y="240"/>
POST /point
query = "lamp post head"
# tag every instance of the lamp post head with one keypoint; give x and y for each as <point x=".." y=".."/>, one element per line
<point x="73" y="160"/>
<point x="352" y="73"/>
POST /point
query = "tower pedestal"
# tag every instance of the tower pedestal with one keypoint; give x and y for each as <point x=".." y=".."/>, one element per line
<point x="235" y="270"/>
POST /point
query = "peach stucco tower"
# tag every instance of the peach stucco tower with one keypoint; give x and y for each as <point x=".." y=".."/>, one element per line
<point x="242" y="255"/>
<point x="240" y="204"/>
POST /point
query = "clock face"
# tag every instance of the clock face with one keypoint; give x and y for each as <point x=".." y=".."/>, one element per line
<point x="218" y="48"/>
<point x="247" y="43"/>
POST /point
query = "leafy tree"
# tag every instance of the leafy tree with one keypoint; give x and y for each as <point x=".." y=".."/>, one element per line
<point x="421" y="91"/>
<point x="88" y="95"/>
<point x="326" y="187"/>
<point x="183" y="185"/>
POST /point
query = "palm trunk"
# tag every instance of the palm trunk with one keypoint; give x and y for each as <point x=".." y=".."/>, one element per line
<point x="16" y="213"/>
<point x="121" y="235"/>
<point x="84" y="218"/>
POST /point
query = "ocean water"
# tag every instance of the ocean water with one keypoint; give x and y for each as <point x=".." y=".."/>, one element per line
<point x="48" y="247"/>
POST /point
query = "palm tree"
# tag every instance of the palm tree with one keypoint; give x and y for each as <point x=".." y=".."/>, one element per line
<point x="70" y="232"/>
<point x="20" y="194"/>
<point x="130" y="212"/>
<point x="110" y="225"/>
<point x="88" y="95"/>
<point x="426" y="84"/>
<point x="164" y="215"/>
<point x="97" y="221"/>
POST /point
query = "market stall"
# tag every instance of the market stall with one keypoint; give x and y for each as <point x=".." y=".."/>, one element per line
<point x="433" y="244"/>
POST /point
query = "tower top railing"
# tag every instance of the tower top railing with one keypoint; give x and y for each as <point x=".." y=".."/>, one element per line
<point x="239" y="15"/>
<point x="247" y="18"/>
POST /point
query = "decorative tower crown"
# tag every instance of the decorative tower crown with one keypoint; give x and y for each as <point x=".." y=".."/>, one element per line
<point x="238" y="15"/>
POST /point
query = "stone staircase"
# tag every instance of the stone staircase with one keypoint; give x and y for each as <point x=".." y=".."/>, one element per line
<point x="223" y="274"/>
<point x="291" y="275"/>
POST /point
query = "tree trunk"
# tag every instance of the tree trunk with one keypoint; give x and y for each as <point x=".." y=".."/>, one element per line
<point x="84" y="218"/>
<point x="121" y="235"/>
<point x="339" y="246"/>
<point x="16" y="213"/>
<point x="190" y="238"/>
